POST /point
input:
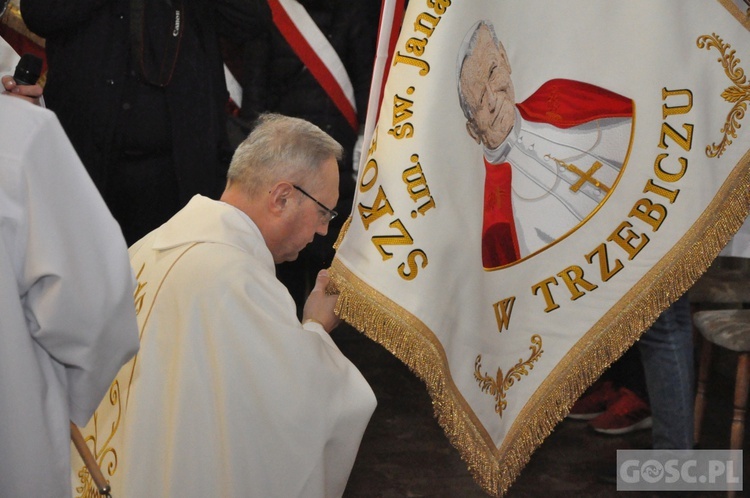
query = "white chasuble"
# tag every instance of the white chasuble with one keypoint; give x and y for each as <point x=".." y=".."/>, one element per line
<point x="229" y="394"/>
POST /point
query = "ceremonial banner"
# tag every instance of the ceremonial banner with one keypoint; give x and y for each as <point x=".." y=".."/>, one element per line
<point x="543" y="179"/>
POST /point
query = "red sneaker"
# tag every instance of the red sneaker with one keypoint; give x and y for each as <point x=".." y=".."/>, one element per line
<point x="595" y="401"/>
<point x="629" y="413"/>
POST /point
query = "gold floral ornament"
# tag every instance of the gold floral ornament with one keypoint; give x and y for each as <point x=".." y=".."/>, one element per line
<point x="106" y="454"/>
<point x="738" y="94"/>
<point x="499" y="387"/>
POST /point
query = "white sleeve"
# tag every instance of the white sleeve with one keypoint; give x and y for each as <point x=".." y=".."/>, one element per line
<point x="76" y="280"/>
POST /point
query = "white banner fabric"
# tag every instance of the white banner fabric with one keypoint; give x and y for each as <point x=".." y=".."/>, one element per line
<point x="509" y="251"/>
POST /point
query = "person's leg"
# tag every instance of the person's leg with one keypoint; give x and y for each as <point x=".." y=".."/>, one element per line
<point x="625" y="372"/>
<point x="667" y="354"/>
<point x="628" y="370"/>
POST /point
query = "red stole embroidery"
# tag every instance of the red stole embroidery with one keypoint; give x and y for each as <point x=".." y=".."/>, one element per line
<point x="499" y="239"/>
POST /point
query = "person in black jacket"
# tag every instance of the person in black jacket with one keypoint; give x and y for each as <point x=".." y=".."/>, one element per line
<point x="138" y="86"/>
<point x="274" y="79"/>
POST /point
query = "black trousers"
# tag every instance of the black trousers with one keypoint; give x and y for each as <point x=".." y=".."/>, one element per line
<point x="142" y="194"/>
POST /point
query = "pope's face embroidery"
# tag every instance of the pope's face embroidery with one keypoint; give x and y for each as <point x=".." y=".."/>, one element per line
<point x="488" y="91"/>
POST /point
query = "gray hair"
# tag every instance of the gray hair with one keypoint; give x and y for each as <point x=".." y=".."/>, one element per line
<point x="464" y="51"/>
<point x="281" y="148"/>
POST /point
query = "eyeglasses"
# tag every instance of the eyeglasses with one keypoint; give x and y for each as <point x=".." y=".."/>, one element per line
<point x="330" y="213"/>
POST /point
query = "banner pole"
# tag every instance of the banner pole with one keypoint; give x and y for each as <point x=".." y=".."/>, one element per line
<point x="88" y="459"/>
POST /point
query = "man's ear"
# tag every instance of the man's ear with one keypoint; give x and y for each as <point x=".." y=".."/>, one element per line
<point x="279" y="197"/>
<point x="473" y="134"/>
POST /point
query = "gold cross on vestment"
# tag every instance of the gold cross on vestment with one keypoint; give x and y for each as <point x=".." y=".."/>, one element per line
<point x="583" y="176"/>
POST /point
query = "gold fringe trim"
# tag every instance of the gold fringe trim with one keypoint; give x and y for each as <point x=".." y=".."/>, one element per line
<point x="407" y="338"/>
<point x="742" y="15"/>
<point x="622" y="325"/>
<point x="342" y="232"/>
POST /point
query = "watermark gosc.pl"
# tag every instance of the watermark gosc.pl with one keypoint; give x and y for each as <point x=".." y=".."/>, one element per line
<point x="679" y="470"/>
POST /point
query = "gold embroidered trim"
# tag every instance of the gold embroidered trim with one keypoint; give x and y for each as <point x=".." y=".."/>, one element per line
<point x="742" y="15"/>
<point x="499" y="386"/>
<point x="738" y="94"/>
<point x="407" y="338"/>
<point x="342" y="232"/>
<point x="88" y="488"/>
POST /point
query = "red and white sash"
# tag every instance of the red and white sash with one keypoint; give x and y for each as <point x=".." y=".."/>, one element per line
<point x="314" y="50"/>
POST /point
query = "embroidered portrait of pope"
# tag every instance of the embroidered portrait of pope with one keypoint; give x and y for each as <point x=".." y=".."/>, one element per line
<point x="550" y="160"/>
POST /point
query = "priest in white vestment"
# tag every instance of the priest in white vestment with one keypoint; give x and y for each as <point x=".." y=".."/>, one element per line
<point x="230" y="395"/>
<point x="67" y="322"/>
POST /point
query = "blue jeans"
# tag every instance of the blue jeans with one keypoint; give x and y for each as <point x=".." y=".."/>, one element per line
<point x="667" y="355"/>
